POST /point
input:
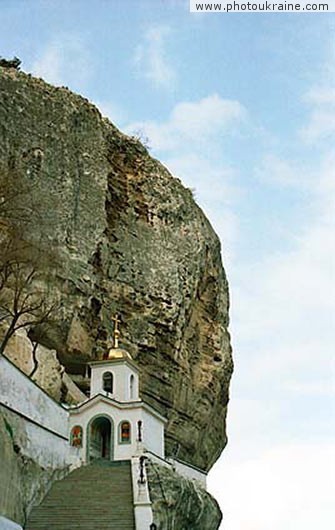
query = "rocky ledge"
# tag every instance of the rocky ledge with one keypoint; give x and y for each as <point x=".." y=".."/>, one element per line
<point x="179" y="503"/>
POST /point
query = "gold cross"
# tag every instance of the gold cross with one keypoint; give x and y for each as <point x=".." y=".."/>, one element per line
<point x="116" y="321"/>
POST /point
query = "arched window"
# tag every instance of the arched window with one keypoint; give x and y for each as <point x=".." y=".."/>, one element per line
<point x="76" y="438"/>
<point x="125" y="432"/>
<point x="132" y="387"/>
<point x="107" y="382"/>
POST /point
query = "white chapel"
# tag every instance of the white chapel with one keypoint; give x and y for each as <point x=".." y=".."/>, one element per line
<point x="114" y="423"/>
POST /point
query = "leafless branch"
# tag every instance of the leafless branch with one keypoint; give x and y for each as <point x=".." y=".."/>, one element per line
<point x="23" y="265"/>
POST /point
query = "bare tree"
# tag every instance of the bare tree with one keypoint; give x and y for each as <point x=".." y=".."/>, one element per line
<point x="23" y="265"/>
<point x="23" y="299"/>
<point x="34" y="359"/>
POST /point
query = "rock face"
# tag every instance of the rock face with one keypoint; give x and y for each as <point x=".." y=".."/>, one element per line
<point x="47" y="372"/>
<point x="130" y="239"/>
<point x="180" y="504"/>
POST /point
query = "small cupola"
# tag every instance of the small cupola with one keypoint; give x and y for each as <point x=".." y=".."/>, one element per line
<point x="117" y="354"/>
<point x="116" y="376"/>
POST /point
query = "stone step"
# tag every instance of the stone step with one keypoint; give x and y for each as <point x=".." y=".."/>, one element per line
<point x="106" y="492"/>
<point x="93" y="497"/>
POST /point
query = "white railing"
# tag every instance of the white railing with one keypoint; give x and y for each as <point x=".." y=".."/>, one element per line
<point x="183" y="468"/>
<point x="188" y="471"/>
<point x="142" y="503"/>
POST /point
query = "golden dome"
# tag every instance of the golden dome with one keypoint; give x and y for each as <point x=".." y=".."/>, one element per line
<point x="118" y="354"/>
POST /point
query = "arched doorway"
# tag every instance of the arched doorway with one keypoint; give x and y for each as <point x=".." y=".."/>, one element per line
<point x="100" y="438"/>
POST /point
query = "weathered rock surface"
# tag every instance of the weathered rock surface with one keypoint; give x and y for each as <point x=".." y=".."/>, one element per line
<point x="42" y="365"/>
<point x="180" y="504"/>
<point x="128" y="238"/>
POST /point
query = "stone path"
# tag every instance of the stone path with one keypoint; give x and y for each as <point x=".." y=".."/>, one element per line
<point x="94" y="497"/>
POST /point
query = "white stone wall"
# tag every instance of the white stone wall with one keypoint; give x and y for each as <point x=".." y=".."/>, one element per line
<point x="153" y="434"/>
<point x="44" y="438"/>
<point x="122" y="373"/>
<point x="7" y="524"/>
<point x="18" y="392"/>
<point x="189" y="472"/>
<point x="45" y="448"/>
<point x="182" y="468"/>
<point x="152" y="426"/>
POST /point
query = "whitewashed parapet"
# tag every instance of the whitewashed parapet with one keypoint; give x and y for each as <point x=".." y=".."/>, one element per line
<point x="7" y="524"/>
<point x="22" y="395"/>
<point x="185" y="470"/>
<point x="142" y="503"/>
<point x="189" y="471"/>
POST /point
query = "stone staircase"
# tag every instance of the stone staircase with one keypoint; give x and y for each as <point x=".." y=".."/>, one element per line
<point x="94" y="497"/>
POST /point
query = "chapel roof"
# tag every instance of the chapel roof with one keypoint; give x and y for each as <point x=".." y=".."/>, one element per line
<point x="118" y="354"/>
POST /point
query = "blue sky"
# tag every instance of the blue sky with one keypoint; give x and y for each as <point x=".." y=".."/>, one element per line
<point x="242" y="109"/>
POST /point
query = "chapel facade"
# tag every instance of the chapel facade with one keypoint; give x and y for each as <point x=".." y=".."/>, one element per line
<point x="114" y="423"/>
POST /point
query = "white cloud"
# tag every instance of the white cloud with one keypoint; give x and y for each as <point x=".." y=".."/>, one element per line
<point x="321" y="100"/>
<point x="194" y="123"/>
<point x="292" y="299"/>
<point x="275" y="170"/>
<point x="151" y="59"/>
<point x="197" y="171"/>
<point x="49" y="65"/>
<point x="304" y="274"/>
<point x="321" y="95"/>
<point x="207" y="117"/>
<point x="111" y="111"/>
<point x="290" y="486"/>
<point x="65" y="61"/>
<point x="326" y="389"/>
<point x="283" y="313"/>
<point x="321" y="125"/>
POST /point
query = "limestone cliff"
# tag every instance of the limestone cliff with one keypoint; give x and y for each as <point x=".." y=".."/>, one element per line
<point x="179" y="503"/>
<point x="128" y="238"/>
